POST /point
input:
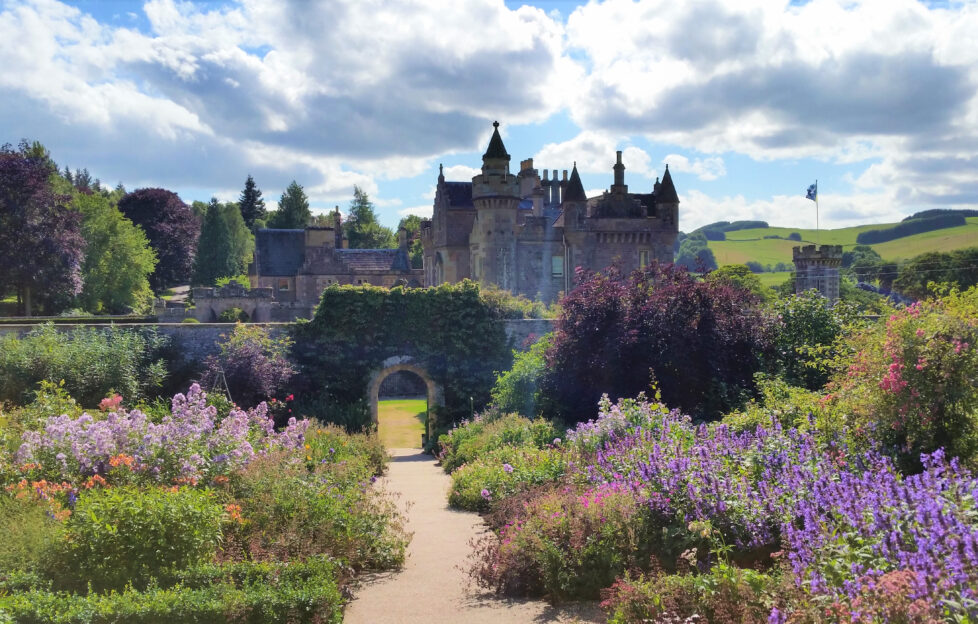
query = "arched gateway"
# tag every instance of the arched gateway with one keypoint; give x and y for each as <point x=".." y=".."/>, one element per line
<point x="436" y="396"/>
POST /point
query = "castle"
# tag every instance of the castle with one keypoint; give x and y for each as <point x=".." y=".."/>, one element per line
<point x="528" y="234"/>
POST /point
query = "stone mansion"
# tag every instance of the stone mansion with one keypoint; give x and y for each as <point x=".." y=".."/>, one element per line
<point x="528" y="234"/>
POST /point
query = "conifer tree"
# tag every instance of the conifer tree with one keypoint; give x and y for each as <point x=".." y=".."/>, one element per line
<point x="251" y="203"/>
<point x="293" y="209"/>
<point x="363" y="230"/>
<point x="215" y="250"/>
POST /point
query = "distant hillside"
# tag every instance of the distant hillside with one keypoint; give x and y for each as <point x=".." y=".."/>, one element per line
<point x="757" y="245"/>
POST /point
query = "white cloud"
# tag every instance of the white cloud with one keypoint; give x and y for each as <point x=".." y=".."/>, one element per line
<point x="593" y="152"/>
<point x="838" y="80"/>
<point x="704" y="168"/>
<point x="421" y="211"/>
<point x="459" y="173"/>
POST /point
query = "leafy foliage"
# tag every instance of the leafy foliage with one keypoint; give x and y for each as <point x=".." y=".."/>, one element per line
<point x="957" y="268"/>
<point x="701" y="341"/>
<point x="449" y="329"/>
<point x="518" y="389"/>
<point x="41" y="244"/>
<point x="412" y="223"/>
<point x="172" y="230"/>
<point x="293" y="209"/>
<point x="695" y="255"/>
<point x="251" y="204"/>
<point x="93" y="363"/>
<point x="362" y="228"/>
<point x="214" y="256"/>
<point x="255" y="364"/>
<point x="124" y="535"/>
<point x="911" y="385"/>
<point x="118" y="259"/>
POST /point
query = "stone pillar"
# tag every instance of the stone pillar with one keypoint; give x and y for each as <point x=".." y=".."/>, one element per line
<point x="818" y="268"/>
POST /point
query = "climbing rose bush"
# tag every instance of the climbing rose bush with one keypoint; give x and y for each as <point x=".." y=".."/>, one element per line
<point x="190" y="444"/>
<point x="913" y="384"/>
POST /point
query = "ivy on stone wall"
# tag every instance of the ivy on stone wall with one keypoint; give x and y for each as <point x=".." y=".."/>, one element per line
<point x="451" y="330"/>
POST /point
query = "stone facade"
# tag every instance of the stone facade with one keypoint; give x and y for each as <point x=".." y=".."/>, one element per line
<point x="528" y="234"/>
<point x="297" y="265"/>
<point x="818" y="268"/>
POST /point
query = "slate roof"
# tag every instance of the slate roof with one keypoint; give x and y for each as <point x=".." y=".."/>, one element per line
<point x="459" y="194"/>
<point x="667" y="191"/>
<point x="363" y="260"/>
<point x="279" y="252"/>
<point x="575" y="190"/>
<point x="496" y="148"/>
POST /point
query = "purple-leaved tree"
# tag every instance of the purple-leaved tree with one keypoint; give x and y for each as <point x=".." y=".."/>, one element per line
<point x="172" y="230"/>
<point x="41" y="246"/>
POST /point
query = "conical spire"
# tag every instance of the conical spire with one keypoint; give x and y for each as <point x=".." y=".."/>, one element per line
<point x="667" y="191"/>
<point x="496" y="148"/>
<point x="575" y="190"/>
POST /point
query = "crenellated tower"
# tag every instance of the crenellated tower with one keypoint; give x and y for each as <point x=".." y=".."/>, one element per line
<point x="496" y="197"/>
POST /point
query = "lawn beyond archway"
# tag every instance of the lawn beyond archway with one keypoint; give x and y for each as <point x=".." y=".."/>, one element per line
<point x="401" y="422"/>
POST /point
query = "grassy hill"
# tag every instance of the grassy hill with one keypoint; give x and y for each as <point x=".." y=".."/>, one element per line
<point x="745" y="245"/>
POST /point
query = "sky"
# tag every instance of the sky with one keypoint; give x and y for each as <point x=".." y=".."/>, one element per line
<point x="748" y="102"/>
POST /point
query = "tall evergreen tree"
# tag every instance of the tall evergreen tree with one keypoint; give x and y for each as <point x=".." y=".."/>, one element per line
<point x="251" y="204"/>
<point x="293" y="209"/>
<point x="362" y="228"/>
<point x="215" y="249"/>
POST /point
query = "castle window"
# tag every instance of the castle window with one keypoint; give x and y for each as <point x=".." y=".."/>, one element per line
<point x="643" y="258"/>
<point x="283" y="284"/>
<point x="557" y="266"/>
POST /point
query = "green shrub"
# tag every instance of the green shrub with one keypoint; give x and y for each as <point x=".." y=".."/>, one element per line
<point x="472" y="440"/>
<point x="912" y="384"/>
<point x="30" y="535"/>
<point x="93" y="363"/>
<point x="237" y="280"/>
<point x="506" y="305"/>
<point x="123" y="535"/>
<point x="190" y="319"/>
<point x="518" y="389"/>
<point x="565" y="549"/>
<point x="296" y="507"/>
<point x="503" y="472"/>
<point x="50" y="399"/>
<point x="233" y="315"/>
<point x="252" y="593"/>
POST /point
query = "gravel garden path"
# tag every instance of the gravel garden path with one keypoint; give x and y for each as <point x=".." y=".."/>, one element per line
<point x="432" y="588"/>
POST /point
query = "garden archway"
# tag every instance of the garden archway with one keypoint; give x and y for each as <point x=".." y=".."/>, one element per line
<point x="436" y="395"/>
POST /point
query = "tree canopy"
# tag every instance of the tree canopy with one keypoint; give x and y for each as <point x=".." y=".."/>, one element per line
<point x="293" y="209"/>
<point x="362" y="229"/>
<point x="41" y="245"/>
<point x="251" y="203"/>
<point x="412" y="223"/>
<point x="172" y="230"/>
<point x="118" y="258"/>
<point x="215" y="251"/>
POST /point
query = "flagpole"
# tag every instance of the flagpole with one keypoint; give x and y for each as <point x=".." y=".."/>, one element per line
<point x="816" y="214"/>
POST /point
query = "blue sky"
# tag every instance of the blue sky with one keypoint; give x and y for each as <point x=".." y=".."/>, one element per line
<point x="748" y="102"/>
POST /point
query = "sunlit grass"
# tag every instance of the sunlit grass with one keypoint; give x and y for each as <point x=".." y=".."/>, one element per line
<point x="401" y="422"/>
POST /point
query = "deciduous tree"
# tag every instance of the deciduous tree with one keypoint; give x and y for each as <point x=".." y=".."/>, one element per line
<point x="41" y="246"/>
<point x="172" y="230"/>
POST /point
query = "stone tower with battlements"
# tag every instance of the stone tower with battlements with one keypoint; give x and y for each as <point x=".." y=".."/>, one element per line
<point x="818" y="268"/>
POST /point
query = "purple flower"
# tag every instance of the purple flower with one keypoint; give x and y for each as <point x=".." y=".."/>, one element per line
<point x="507" y="468"/>
<point x="486" y="494"/>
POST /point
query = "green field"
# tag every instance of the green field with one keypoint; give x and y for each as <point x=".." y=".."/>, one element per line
<point x="746" y="245"/>
<point x="773" y="279"/>
<point x="401" y="422"/>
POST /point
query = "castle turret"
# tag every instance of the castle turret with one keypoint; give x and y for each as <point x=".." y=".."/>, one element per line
<point x="496" y="197"/>
<point x="575" y="201"/>
<point x="667" y="199"/>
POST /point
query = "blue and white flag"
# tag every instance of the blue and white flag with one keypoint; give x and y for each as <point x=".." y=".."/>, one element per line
<point x="812" y="193"/>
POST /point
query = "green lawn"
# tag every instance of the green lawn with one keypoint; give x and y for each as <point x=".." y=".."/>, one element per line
<point x="401" y="422"/>
<point x="744" y="245"/>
